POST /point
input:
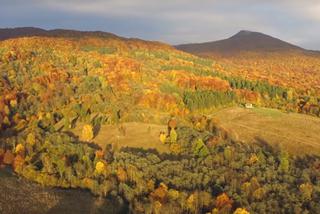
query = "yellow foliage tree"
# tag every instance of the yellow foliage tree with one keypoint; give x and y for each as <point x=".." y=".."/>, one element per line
<point x="87" y="133"/>
<point x="18" y="163"/>
<point x="241" y="211"/>
<point x="253" y="159"/>
<point x="88" y="183"/>
<point x="306" y="190"/>
<point x="13" y="103"/>
<point x="19" y="148"/>
<point x="173" y="194"/>
<point x="192" y="203"/>
<point x="162" y="137"/>
<point x="259" y="193"/>
<point x="223" y="200"/>
<point x="215" y="211"/>
<point x="173" y="136"/>
<point x="6" y="121"/>
<point x="156" y="207"/>
<point x="121" y="174"/>
<point x="100" y="168"/>
<point x="175" y="148"/>
<point x="31" y="139"/>
<point x="150" y="185"/>
<point x="6" y="110"/>
<point x="160" y="193"/>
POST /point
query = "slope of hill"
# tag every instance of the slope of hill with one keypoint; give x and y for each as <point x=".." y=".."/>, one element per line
<point x="246" y="125"/>
<point x="243" y="41"/>
<point x="294" y="70"/>
<point x="9" y="33"/>
<point x="58" y="94"/>
<point x="256" y="56"/>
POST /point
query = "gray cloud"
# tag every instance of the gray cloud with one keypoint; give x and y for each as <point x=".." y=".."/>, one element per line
<point x="172" y="21"/>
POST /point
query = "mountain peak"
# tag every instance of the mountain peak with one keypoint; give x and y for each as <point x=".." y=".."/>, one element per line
<point x="244" y="33"/>
<point x="243" y="41"/>
<point x="247" y="33"/>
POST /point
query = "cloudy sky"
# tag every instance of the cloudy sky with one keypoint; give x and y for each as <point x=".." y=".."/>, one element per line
<point x="172" y="21"/>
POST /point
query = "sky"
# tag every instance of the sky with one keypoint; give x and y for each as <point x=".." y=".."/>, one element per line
<point x="172" y="21"/>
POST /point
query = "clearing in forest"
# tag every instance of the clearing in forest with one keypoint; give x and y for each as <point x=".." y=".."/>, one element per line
<point x="298" y="133"/>
<point x="133" y="134"/>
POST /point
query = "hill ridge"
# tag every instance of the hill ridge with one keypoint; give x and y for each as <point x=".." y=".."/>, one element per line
<point x="243" y="41"/>
<point x="21" y="32"/>
<point x="10" y="33"/>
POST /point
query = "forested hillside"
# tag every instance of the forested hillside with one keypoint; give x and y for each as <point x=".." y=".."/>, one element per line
<point x="49" y="85"/>
<point x="295" y="70"/>
<point x="256" y="56"/>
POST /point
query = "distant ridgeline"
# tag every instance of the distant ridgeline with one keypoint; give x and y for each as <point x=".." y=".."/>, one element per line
<point x="50" y="85"/>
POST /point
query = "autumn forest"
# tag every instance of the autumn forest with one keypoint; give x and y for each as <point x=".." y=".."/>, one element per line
<point x="134" y="121"/>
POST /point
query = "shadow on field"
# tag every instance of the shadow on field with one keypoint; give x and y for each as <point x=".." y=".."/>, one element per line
<point x="80" y="201"/>
<point x="267" y="147"/>
<point x="145" y="152"/>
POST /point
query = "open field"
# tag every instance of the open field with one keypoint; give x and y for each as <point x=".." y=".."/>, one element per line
<point x="297" y="133"/>
<point x="137" y="135"/>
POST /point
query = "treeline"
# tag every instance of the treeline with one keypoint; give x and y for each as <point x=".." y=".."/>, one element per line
<point x="295" y="70"/>
<point x="207" y="99"/>
<point x="262" y="87"/>
<point x="258" y="86"/>
<point x="276" y="96"/>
